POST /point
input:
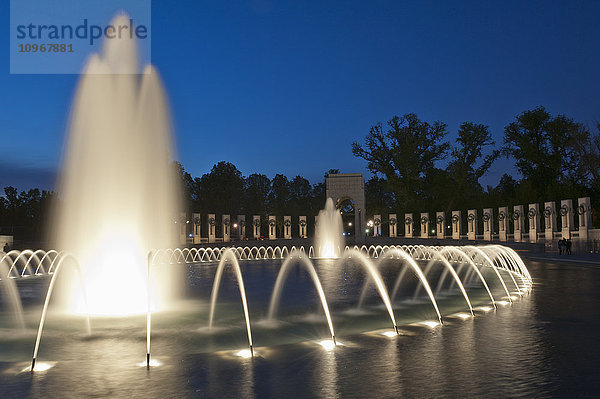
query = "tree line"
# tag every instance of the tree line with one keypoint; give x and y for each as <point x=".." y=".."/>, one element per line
<point x="24" y="215"/>
<point x="415" y="169"/>
<point x="224" y="190"/>
<point x="556" y="156"/>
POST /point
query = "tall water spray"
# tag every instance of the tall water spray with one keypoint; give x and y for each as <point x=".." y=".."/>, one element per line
<point x="118" y="191"/>
<point x="329" y="241"/>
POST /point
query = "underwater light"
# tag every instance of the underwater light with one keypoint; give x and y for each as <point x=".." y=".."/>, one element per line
<point x="40" y="366"/>
<point x="244" y="353"/>
<point x="329" y="345"/>
<point x="463" y="316"/>
<point x="153" y="363"/>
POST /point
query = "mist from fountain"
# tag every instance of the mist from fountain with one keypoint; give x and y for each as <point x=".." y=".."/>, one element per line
<point x="118" y="191"/>
<point x="329" y="240"/>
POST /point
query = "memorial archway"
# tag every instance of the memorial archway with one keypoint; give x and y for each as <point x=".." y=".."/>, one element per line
<point x="348" y="193"/>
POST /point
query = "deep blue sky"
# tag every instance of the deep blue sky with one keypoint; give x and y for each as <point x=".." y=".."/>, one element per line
<point x="285" y="87"/>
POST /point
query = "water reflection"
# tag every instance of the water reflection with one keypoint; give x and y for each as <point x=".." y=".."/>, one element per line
<point x="543" y="345"/>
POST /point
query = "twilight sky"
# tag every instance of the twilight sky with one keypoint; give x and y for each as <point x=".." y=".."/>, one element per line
<point x="286" y="86"/>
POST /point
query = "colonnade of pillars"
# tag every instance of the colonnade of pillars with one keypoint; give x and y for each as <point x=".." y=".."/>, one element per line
<point x="542" y="222"/>
<point x="197" y="231"/>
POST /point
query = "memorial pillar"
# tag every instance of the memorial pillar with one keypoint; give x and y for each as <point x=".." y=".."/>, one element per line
<point x="272" y="228"/>
<point x="287" y="227"/>
<point x="472" y="224"/>
<point x="408" y="225"/>
<point x="211" y="227"/>
<point x="503" y="225"/>
<point x="518" y="222"/>
<point x="549" y="220"/>
<point x="256" y="227"/>
<point x="566" y="218"/>
<point x="226" y="223"/>
<point x="424" y="225"/>
<point x="584" y="210"/>
<point x="456" y="225"/>
<point x="441" y="225"/>
<point x="393" y="225"/>
<point x="488" y="224"/>
<point x="197" y="230"/>
<point x="302" y="226"/>
<point x="534" y="221"/>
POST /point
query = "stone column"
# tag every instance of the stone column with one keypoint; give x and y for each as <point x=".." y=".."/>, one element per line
<point x="549" y="220"/>
<point x="226" y="222"/>
<point x="472" y="224"/>
<point x="393" y="225"/>
<point x="566" y="218"/>
<point x="584" y="210"/>
<point x="440" y="221"/>
<point x="360" y="223"/>
<point x="519" y="224"/>
<point x="302" y="226"/>
<point x="272" y="227"/>
<point x="424" y="225"/>
<point x="376" y="225"/>
<point x="534" y="222"/>
<point x="408" y="225"/>
<point x="488" y="224"/>
<point x="197" y="230"/>
<point x="503" y="224"/>
<point x="241" y="226"/>
<point x="211" y="227"/>
<point x="456" y="225"/>
<point x="183" y="222"/>
<point x="256" y="226"/>
<point x="287" y="227"/>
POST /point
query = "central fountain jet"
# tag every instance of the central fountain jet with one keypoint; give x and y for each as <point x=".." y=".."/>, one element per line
<point x="118" y="191"/>
<point x="329" y="241"/>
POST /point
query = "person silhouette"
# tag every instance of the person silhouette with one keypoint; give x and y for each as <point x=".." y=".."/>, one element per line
<point x="6" y="247"/>
<point x="560" y="246"/>
<point x="568" y="245"/>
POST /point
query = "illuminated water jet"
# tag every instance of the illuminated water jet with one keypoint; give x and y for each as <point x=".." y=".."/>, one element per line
<point x="229" y="257"/>
<point x="117" y="187"/>
<point x="283" y="272"/>
<point x="329" y="240"/>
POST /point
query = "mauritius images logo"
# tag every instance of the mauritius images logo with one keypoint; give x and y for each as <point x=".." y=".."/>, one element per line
<point x="59" y="36"/>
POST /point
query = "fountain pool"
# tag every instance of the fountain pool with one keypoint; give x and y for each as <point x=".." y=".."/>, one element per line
<point x="325" y="301"/>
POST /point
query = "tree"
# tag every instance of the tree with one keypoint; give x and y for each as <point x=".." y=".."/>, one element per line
<point x="190" y="194"/>
<point x="404" y="152"/>
<point x="257" y="189"/>
<point x="468" y="164"/>
<point x="300" y="196"/>
<point x="586" y="148"/>
<point x="278" y="198"/>
<point x="221" y="190"/>
<point x="379" y="199"/>
<point x="25" y="213"/>
<point x="542" y="146"/>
